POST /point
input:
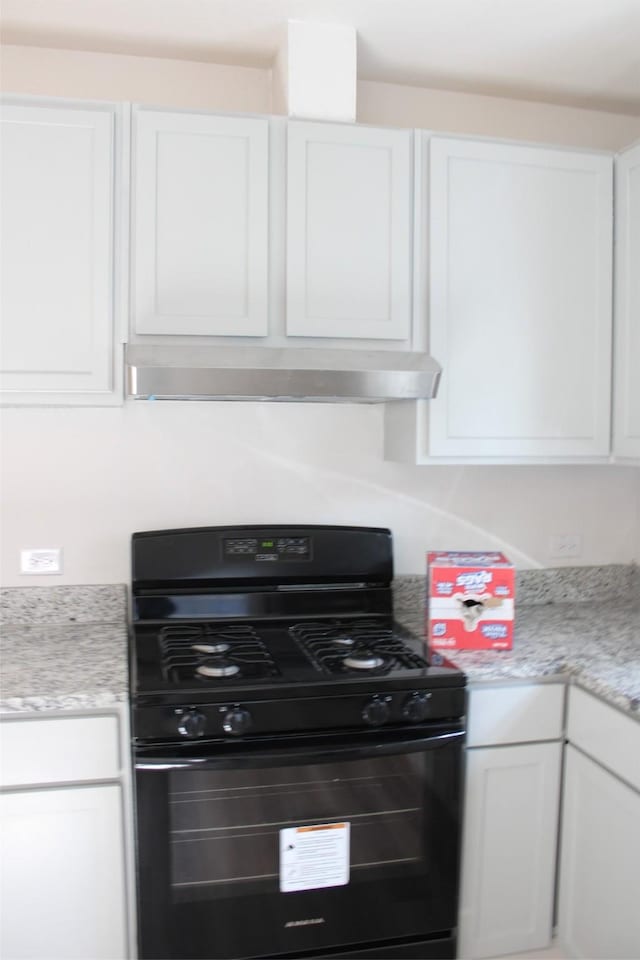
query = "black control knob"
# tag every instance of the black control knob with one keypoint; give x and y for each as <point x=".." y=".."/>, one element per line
<point x="416" y="707"/>
<point x="191" y="724"/>
<point x="236" y="722"/>
<point x="376" y="712"/>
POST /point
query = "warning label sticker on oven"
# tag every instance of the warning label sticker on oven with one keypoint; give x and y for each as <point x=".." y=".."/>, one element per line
<point x="313" y="857"/>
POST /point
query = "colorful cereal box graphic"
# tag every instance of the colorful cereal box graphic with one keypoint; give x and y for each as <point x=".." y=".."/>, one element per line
<point x="470" y="601"/>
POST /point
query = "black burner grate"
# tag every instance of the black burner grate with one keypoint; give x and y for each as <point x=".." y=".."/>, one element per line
<point x="211" y="653"/>
<point x="354" y="647"/>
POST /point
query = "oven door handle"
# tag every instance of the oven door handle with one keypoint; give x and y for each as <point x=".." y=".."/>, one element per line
<point x="266" y="757"/>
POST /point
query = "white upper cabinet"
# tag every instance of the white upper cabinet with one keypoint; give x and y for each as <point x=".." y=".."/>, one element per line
<point x="349" y="223"/>
<point x="626" y="419"/>
<point x="518" y="243"/>
<point x="59" y="282"/>
<point x="200" y="244"/>
<point x="520" y="300"/>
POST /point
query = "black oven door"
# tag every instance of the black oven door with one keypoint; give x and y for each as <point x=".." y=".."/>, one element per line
<point x="229" y="867"/>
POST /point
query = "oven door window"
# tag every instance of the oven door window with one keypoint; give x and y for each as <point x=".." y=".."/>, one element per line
<point x="225" y="827"/>
<point x="222" y="889"/>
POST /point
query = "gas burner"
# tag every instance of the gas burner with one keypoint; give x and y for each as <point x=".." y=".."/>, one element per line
<point x="363" y="661"/>
<point x="213" y="651"/>
<point x="217" y="668"/>
<point x="210" y="647"/>
<point x="339" y="646"/>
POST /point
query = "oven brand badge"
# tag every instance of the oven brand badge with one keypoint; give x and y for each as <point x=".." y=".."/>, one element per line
<point x="310" y="922"/>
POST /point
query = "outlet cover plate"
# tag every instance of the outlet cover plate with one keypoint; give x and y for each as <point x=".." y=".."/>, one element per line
<point x="41" y="561"/>
<point x="565" y="545"/>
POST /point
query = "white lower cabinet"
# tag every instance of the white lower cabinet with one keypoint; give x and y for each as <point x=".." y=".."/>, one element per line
<point x="509" y="849"/>
<point x="64" y="839"/>
<point x="599" y="900"/>
<point x="62" y="889"/>
<point x="511" y="819"/>
<point x="599" y="890"/>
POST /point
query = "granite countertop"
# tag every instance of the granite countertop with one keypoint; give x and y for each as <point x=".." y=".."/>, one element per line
<point x="598" y="648"/>
<point x="65" y="648"/>
<point x="63" y="667"/>
<point x="591" y="638"/>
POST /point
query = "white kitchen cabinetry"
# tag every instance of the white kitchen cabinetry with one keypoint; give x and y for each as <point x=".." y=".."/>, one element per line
<point x="514" y="759"/>
<point x="60" y="277"/>
<point x="200" y="224"/>
<point x="65" y="839"/>
<point x="518" y="242"/>
<point x="598" y="914"/>
<point x="626" y="418"/>
<point x="349" y="223"/>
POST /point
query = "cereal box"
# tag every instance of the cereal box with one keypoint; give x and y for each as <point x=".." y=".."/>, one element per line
<point x="470" y="601"/>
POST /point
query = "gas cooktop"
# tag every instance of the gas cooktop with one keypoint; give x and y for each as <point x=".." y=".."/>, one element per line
<point x="291" y="627"/>
<point x="206" y="657"/>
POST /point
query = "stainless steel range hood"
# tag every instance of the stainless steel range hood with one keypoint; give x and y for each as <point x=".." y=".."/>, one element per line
<point x="268" y="373"/>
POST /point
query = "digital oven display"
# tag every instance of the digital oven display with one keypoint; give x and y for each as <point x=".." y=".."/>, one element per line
<point x="268" y="548"/>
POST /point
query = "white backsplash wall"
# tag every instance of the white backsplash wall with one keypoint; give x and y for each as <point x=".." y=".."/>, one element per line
<point x="85" y="479"/>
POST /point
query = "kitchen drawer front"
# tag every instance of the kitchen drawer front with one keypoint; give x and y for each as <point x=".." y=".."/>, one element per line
<point x="59" y="750"/>
<point x="604" y="733"/>
<point x="515" y="714"/>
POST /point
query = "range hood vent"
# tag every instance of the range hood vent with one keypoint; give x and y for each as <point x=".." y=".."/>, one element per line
<point x="268" y="373"/>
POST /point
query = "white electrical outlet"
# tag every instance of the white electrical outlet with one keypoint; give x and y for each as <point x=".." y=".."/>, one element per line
<point x="41" y="561"/>
<point x="565" y="545"/>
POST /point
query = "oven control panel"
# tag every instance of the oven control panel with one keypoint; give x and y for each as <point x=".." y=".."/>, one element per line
<point x="257" y="717"/>
<point x="261" y="549"/>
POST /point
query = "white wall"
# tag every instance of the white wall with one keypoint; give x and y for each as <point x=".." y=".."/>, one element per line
<point x="392" y="105"/>
<point x="85" y="479"/>
<point x="210" y="86"/>
<point x="109" y="76"/>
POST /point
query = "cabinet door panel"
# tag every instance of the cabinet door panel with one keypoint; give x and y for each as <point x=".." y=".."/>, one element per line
<point x="518" y="714"/>
<point x="609" y="736"/>
<point x="598" y="914"/>
<point x="626" y="422"/>
<point x="57" y="251"/>
<point x="35" y="750"/>
<point x="520" y="300"/>
<point x="200" y="224"/>
<point x="509" y="849"/>
<point x="348" y="231"/>
<point x="63" y="893"/>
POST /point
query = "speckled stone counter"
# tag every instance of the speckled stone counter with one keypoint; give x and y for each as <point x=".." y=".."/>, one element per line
<point x="63" y="668"/>
<point x="593" y="641"/>
<point x="63" y="648"/>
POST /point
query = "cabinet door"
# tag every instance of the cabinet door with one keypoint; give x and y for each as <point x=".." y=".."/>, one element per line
<point x="520" y="300"/>
<point x="57" y="254"/>
<point x="63" y="889"/>
<point x="509" y="849"/>
<point x="626" y="420"/>
<point x="349" y="196"/>
<point x="200" y="224"/>
<point x="598" y="915"/>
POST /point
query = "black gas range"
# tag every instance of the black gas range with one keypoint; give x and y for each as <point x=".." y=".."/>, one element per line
<point x="272" y="691"/>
